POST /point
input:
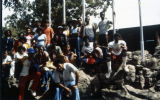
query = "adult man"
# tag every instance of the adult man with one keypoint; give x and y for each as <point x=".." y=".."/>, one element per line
<point x="49" y="33"/>
<point x="118" y="50"/>
<point x="66" y="77"/>
<point x="75" y="39"/>
<point x="89" y="30"/>
<point x="103" y="29"/>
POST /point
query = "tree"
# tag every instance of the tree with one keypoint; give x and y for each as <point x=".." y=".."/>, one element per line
<point x="27" y="12"/>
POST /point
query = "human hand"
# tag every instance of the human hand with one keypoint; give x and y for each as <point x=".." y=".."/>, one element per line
<point x="74" y="87"/>
<point x="68" y="90"/>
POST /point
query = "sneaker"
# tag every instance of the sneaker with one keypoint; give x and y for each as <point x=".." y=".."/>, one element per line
<point x="33" y="93"/>
<point x="107" y="75"/>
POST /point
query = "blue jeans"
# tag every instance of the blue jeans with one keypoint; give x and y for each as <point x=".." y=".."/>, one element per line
<point x="46" y="76"/>
<point x="75" y="45"/>
<point x="59" y="91"/>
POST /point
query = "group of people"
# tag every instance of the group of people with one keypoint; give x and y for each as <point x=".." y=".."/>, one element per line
<point x="42" y="54"/>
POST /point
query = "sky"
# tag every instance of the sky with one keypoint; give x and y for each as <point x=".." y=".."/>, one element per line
<point x="127" y="13"/>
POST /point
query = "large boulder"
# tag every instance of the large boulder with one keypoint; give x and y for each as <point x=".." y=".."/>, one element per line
<point x="84" y="84"/>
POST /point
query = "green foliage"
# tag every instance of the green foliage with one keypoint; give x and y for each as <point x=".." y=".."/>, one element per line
<point x="26" y="13"/>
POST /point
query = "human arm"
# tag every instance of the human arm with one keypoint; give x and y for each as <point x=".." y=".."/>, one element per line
<point x="52" y="33"/>
<point x="65" y="88"/>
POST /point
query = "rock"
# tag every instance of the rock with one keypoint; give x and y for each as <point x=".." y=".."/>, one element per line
<point x="157" y="52"/>
<point x="84" y="84"/>
<point x="157" y="86"/>
<point x="136" y="60"/>
<point x="131" y="74"/>
<point x="96" y="84"/>
<point x="143" y="94"/>
<point x="129" y="54"/>
<point x="139" y="52"/>
<point x="151" y="63"/>
<point x="108" y="94"/>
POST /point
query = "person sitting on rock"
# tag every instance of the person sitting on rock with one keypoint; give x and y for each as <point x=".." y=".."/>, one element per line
<point x="118" y="50"/>
<point x="48" y="72"/>
<point x="69" y="54"/>
<point x="54" y="47"/>
<point x="87" y="47"/>
<point x="66" y="78"/>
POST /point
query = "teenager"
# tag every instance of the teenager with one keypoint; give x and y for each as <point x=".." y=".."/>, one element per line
<point x="30" y="71"/>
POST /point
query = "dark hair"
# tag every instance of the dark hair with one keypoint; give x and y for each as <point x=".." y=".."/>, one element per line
<point x="79" y="18"/>
<point x="6" y="32"/>
<point x="38" y="21"/>
<point x="28" y="28"/>
<point x="52" y="53"/>
<point x="21" y="48"/>
<point x="58" y="61"/>
<point x="39" y="29"/>
<point x="117" y="35"/>
<point x="19" y="35"/>
<point x="101" y="13"/>
<point x="47" y="21"/>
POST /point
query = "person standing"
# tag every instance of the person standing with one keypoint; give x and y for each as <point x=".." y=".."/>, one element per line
<point x="7" y="42"/>
<point x="28" y="36"/>
<point x="38" y="25"/>
<point x="6" y="64"/>
<point x="66" y="78"/>
<point x="49" y="33"/>
<point x="40" y="38"/>
<point x="75" y="39"/>
<point x="89" y="30"/>
<point x="29" y="72"/>
<point x="103" y="30"/>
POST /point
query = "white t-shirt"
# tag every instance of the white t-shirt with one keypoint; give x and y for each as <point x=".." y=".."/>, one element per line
<point x="28" y="39"/>
<point x="7" y="59"/>
<point x="103" y="27"/>
<point x="67" y="75"/>
<point x="87" y="49"/>
<point x="17" y="55"/>
<point x="116" y="47"/>
<point x="41" y="39"/>
<point x="25" y="68"/>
